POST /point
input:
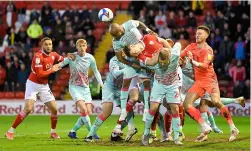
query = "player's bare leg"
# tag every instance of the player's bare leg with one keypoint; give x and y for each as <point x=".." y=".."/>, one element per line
<point x="203" y="112"/>
<point x="147" y="88"/>
<point x="29" y="104"/>
<point x="194" y="113"/>
<point x="52" y="106"/>
<point x="85" y="110"/>
<point x="209" y="115"/>
<point x="133" y="98"/>
<point x="123" y="98"/>
<point x="107" y="108"/>
<point x="215" y="97"/>
<point x="154" y="125"/>
<point x="146" y="138"/>
<point x="182" y="121"/>
<point x="168" y="123"/>
<point x="175" y="123"/>
<point x="239" y="100"/>
<point x="226" y="101"/>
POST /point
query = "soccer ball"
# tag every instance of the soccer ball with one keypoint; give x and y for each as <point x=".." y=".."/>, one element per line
<point x="105" y="15"/>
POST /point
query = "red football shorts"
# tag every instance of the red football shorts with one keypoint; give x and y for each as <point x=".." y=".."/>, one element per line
<point x="202" y="87"/>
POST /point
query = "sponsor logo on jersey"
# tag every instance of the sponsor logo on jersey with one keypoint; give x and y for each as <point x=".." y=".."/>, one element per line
<point x="151" y="42"/>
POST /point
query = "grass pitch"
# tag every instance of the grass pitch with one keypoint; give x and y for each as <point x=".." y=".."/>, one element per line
<point x="33" y="135"/>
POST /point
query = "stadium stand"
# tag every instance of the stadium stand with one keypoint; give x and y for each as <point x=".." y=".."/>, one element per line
<point x="229" y="23"/>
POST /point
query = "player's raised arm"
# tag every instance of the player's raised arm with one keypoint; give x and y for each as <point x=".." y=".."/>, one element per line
<point x="141" y="25"/>
<point x="95" y="71"/>
<point x="184" y="52"/>
<point x="164" y="42"/>
<point x="65" y="62"/>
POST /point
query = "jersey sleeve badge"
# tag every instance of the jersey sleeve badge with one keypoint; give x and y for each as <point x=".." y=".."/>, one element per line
<point x="210" y="57"/>
<point x="37" y="61"/>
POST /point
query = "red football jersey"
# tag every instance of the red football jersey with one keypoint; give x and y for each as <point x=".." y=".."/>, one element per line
<point x="41" y="66"/>
<point x="205" y="57"/>
<point x="152" y="46"/>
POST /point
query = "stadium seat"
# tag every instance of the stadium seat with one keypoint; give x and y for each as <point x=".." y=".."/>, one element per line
<point x="209" y="4"/>
<point x="88" y="49"/>
<point x="224" y="89"/>
<point x="229" y="95"/>
<point x="2" y="30"/>
<point x="62" y="82"/>
<point x="20" y="4"/>
<point x="34" y="6"/>
<point x="64" y="71"/>
<point x="124" y="6"/>
<point x="64" y="76"/>
<point x="1" y="95"/>
<point x="223" y="83"/>
<point x="106" y="66"/>
<point x="55" y="88"/>
<point x="230" y="89"/>
<point x="19" y="95"/>
<point x="57" y="95"/>
<point x="98" y="31"/>
<point x="98" y="37"/>
<point x="9" y="95"/>
<point x="1" y="54"/>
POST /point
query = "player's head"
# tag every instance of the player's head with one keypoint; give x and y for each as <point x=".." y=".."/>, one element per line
<point x="46" y="44"/>
<point x="116" y="30"/>
<point x="202" y="33"/>
<point x="81" y="45"/>
<point x="132" y="51"/>
<point x="164" y="59"/>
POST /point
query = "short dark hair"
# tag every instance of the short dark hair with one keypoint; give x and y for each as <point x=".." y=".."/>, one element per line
<point x="127" y="50"/>
<point x="205" y="28"/>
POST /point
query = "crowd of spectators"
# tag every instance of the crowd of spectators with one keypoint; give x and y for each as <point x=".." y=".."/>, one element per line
<point x="229" y="22"/>
<point x="27" y="27"/>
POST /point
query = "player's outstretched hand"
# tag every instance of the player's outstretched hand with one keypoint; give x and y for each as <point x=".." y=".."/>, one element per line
<point x="56" y="67"/>
<point x="71" y="56"/>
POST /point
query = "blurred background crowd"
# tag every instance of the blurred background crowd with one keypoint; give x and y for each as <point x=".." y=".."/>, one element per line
<point x="22" y="25"/>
